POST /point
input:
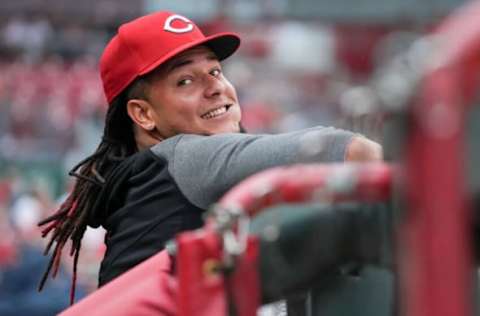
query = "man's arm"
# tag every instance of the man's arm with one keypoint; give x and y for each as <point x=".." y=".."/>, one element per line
<point x="205" y="167"/>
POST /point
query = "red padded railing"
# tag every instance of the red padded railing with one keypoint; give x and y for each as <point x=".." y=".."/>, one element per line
<point x="436" y="265"/>
<point x="305" y="183"/>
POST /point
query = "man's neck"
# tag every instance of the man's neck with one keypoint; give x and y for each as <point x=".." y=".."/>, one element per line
<point x="145" y="139"/>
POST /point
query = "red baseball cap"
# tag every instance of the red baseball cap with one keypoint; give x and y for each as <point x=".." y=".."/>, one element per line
<point x="145" y="43"/>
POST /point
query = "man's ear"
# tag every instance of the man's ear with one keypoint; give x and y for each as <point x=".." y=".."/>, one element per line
<point x="141" y="113"/>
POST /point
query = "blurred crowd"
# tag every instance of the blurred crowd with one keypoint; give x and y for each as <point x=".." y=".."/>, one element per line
<point x="288" y="75"/>
<point x="22" y="205"/>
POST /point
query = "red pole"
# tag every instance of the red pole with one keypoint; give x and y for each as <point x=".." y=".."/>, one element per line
<point x="436" y="262"/>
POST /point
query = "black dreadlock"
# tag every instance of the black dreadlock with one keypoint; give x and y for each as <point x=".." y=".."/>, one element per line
<point x="71" y="219"/>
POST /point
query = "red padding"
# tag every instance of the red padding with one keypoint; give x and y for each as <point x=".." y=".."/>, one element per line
<point x="147" y="289"/>
<point x="367" y="182"/>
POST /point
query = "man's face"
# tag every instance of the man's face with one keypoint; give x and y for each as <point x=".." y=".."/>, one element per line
<point x="190" y="95"/>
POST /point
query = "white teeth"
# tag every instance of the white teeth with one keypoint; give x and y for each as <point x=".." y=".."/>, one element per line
<point x="214" y="113"/>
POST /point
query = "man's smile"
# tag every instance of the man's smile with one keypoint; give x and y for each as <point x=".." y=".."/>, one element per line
<point x="216" y="112"/>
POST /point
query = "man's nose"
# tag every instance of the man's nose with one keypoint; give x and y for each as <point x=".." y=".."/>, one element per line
<point x="213" y="86"/>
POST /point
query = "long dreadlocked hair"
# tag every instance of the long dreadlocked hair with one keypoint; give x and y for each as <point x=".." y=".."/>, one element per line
<point x="71" y="219"/>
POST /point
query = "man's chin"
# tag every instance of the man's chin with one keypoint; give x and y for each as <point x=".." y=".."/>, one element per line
<point x="237" y="128"/>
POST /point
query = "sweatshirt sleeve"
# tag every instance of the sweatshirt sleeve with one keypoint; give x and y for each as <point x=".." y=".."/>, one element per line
<point x="206" y="167"/>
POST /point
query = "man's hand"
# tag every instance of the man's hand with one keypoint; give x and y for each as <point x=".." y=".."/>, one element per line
<point x="363" y="149"/>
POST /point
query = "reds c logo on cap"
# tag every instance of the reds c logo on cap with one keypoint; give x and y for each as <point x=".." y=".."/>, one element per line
<point x="169" y="27"/>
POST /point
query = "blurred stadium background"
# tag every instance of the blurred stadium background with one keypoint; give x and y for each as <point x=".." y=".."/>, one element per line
<point x="300" y="65"/>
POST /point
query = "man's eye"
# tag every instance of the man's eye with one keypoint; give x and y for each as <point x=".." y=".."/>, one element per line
<point x="215" y="72"/>
<point x="184" y="82"/>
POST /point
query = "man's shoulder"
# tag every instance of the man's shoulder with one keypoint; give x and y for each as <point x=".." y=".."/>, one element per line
<point x="166" y="145"/>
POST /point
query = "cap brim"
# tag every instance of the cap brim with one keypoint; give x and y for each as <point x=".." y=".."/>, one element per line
<point x="222" y="44"/>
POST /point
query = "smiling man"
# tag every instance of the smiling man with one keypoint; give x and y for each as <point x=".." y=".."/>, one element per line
<point x="172" y="144"/>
